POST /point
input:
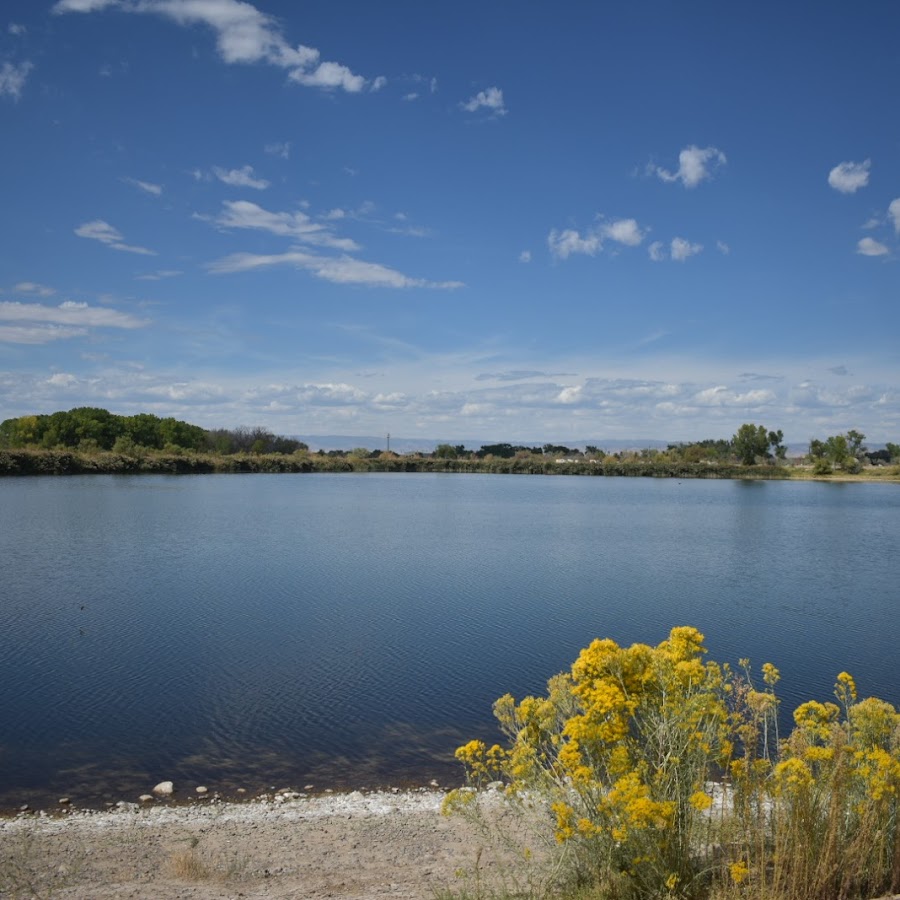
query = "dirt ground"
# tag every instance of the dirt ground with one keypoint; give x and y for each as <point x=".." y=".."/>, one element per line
<point x="352" y="845"/>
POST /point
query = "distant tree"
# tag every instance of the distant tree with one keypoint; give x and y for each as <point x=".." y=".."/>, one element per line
<point x="894" y="450"/>
<point x="556" y="450"/>
<point x="445" y="451"/>
<point x="504" y="451"/>
<point x="750" y="442"/>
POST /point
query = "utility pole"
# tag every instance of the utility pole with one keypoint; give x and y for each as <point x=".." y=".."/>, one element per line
<point x="388" y="442"/>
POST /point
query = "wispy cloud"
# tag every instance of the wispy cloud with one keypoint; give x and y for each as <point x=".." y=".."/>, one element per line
<point x="296" y="225"/>
<point x="36" y="323"/>
<point x="159" y="275"/>
<point x="101" y="231"/>
<point x="525" y="256"/>
<point x="146" y="186"/>
<point x="15" y="29"/>
<point x="32" y="287"/>
<point x="695" y="164"/>
<point x="13" y="78"/>
<point x="243" y="177"/>
<point x="849" y="177"/>
<point x="338" y="270"/>
<point x="490" y="99"/>
<point x="281" y="149"/>
<point x="243" y="33"/>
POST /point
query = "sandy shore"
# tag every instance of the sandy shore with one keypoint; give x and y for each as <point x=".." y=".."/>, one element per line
<point x="352" y="845"/>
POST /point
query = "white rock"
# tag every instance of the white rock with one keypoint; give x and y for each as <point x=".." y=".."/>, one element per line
<point x="145" y="798"/>
<point x="164" y="789"/>
<point x="202" y="790"/>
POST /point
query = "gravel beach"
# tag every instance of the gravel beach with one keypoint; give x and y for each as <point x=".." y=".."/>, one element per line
<point x="285" y="845"/>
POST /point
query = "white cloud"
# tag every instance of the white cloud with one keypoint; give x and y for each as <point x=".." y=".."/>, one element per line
<point x="378" y="83"/>
<point x="329" y="75"/>
<point x="146" y="186"/>
<point x="411" y="96"/>
<point x="723" y="396"/>
<point x="849" y="177"/>
<point x="243" y="177"/>
<point x="243" y="35"/>
<point x="894" y="213"/>
<point x="338" y="270"/>
<point x="570" y="395"/>
<point x="490" y="99"/>
<point x="98" y="230"/>
<point x="15" y="29"/>
<point x="682" y="249"/>
<point x="32" y="287"/>
<point x="13" y="78"/>
<point x="525" y="256"/>
<point x="281" y="149"/>
<point x="298" y="225"/>
<point x="695" y="164"/>
<point x="679" y="250"/>
<point x="36" y="323"/>
<point x="870" y="247"/>
<point x="723" y="248"/>
<point x="624" y="231"/>
<point x="159" y="275"/>
<point x="564" y="243"/>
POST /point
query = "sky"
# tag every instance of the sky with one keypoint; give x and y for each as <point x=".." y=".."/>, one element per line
<point x="507" y="221"/>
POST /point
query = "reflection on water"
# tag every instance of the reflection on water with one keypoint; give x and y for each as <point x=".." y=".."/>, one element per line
<point x="351" y="630"/>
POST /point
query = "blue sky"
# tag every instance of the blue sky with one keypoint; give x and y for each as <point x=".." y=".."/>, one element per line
<point x="453" y="220"/>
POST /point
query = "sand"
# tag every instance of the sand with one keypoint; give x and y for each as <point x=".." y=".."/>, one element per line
<point x="355" y="845"/>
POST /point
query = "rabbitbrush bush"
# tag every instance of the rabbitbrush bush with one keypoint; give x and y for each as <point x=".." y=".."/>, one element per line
<point x="661" y="774"/>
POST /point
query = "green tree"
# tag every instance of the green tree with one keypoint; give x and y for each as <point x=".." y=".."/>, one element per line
<point x="749" y="442"/>
<point x="894" y="450"/>
<point x="445" y="451"/>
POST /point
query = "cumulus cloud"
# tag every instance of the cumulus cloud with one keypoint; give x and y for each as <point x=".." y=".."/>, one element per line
<point x="623" y="231"/>
<point x="682" y="249"/>
<point x="525" y="256"/>
<point x="695" y="164"/>
<point x="243" y="33"/>
<point x="101" y="231"/>
<point x="378" y="83"/>
<point x="567" y="242"/>
<point x="243" y="177"/>
<point x="678" y="250"/>
<point x="894" y="214"/>
<point x="297" y="225"/>
<point x="13" y="78"/>
<point x="870" y="247"/>
<point x="490" y="100"/>
<point x="723" y="396"/>
<point x="338" y="270"/>
<point x="849" y="177"/>
<point x="564" y="243"/>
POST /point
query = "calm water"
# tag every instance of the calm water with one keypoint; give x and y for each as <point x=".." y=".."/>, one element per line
<point x="352" y="630"/>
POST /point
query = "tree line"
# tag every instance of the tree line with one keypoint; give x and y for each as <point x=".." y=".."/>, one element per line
<point x="90" y="429"/>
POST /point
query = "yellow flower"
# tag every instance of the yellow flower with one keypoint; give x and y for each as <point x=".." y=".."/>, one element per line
<point x="771" y="675"/>
<point x="701" y="801"/>
<point x="738" y="871"/>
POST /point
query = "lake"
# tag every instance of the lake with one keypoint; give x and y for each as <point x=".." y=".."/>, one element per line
<point x="352" y="630"/>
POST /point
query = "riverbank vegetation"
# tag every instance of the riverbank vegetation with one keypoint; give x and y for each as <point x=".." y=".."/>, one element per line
<point x="661" y="774"/>
<point x="91" y="440"/>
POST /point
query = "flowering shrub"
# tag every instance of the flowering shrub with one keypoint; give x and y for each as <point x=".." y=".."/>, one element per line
<point x="662" y="775"/>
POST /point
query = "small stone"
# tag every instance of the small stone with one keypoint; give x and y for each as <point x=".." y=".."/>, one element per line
<point x="145" y="798"/>
<point x="164" y="789"/>
<point x="64" y="801"/>
<point x="202" y="790"/>
<point x="434" y="782"/>
<point x="308" y="787"/>
<point x="241" y="790"/>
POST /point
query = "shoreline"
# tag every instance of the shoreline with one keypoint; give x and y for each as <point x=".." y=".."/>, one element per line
<point x="350" y="845"/>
